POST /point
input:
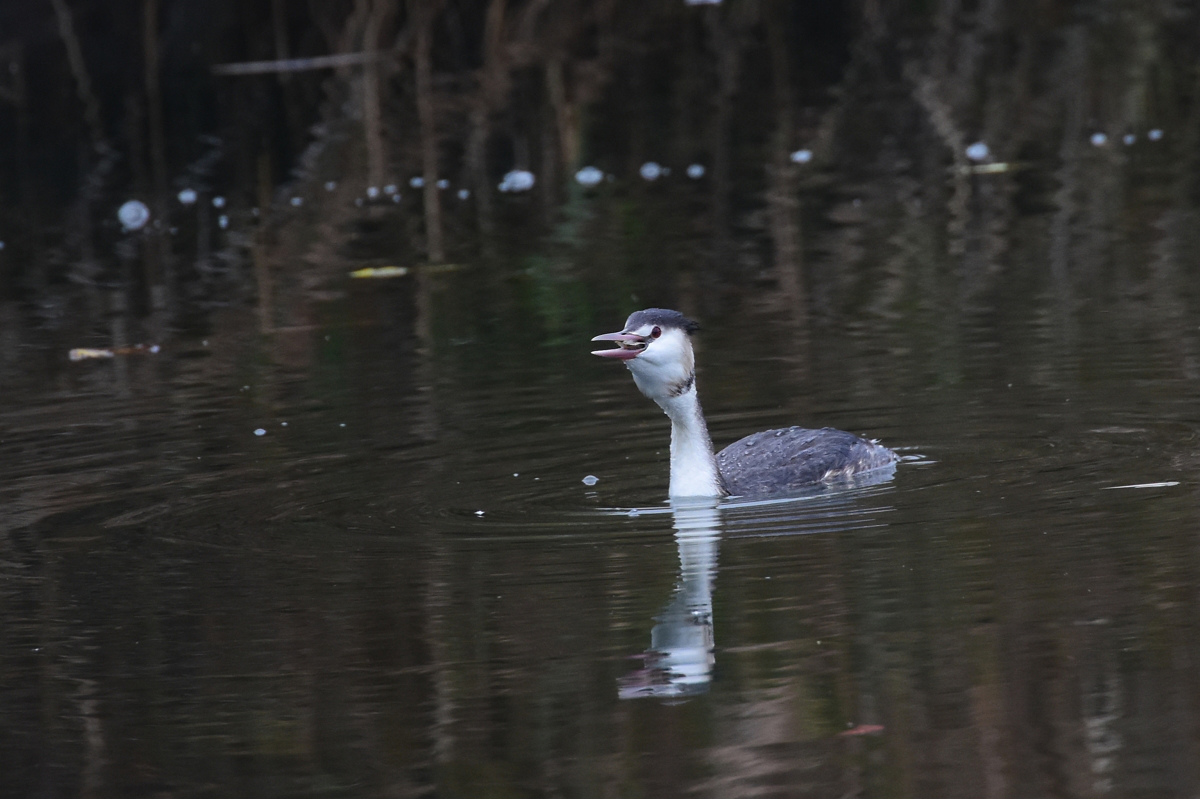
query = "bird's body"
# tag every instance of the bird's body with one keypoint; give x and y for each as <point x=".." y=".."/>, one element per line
<point x="778" y="461"/>
<point x="655" y="344"/>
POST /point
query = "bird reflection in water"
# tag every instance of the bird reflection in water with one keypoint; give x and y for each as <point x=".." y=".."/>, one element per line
<point x="680" y="660"/>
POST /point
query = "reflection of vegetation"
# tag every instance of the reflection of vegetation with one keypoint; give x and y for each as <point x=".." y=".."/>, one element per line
<point x="465" y="91"/>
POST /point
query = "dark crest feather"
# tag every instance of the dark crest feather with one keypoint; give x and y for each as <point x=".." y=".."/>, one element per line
<point x="662" y="317"/>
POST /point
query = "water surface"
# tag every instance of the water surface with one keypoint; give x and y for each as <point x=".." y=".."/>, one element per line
<point x="404" y="587"/>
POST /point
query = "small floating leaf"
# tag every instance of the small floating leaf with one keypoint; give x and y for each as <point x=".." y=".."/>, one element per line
<point x="380" y="271"/>
<point x="84" y="353"/>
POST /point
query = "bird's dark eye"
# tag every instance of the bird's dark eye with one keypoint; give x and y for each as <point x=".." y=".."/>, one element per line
<point x="656" y="332"/>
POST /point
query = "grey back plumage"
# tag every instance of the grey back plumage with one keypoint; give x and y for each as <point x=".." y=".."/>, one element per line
<point x="778" y="461"/>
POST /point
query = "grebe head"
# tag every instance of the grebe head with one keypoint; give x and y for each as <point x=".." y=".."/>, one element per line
<point x="656" y="346"/>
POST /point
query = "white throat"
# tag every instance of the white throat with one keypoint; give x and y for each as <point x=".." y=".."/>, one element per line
<point x="693" y="466"/>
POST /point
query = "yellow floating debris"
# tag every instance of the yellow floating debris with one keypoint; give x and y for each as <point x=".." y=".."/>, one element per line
<point x="84" y="353"/>
<point x="380" y="271"/>
<point x="401" y="271"/>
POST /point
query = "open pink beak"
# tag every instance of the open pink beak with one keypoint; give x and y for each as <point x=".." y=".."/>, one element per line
<point x="620" y="353"/>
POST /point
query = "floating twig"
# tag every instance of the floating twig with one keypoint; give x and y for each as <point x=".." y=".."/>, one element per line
<point x="85" y="353"/>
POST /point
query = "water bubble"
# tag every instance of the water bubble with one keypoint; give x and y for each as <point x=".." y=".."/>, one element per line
<point x="390" y="188"/>
<point x="416" y="181"/>
<point x="1099" y="139"/>
<point x="1" y="245"/>
<point x="283" y="424"/>
<point x="478" y="513"/>
<point x="443" y="184"/>
<point x="978" y="151"/>
<point x="222" y="221"/>
<point x="695" y="171"/>
<point x="1129" y="139"/>
<point x="591" y="480"/>
<point x="801" y="156"/>
<point x="1155" y="134"/>
<point x="260" y="432"/>
<point x="517" y="180"/>
<point x="651" y="170"/>
<point x="133" y="215"/>
<point x="330" y="185"/>
<point x="358" y="201"/>
<point x="218" y="201"/>
<point x="187" y="196"/>
<point x="589" y="176"/>
<point x="396" y="198"/>
<point x="297" y="202"/>
<point x="463" y="194"/>
<point x="254" y="211"/>
<point x="373" y="192"/>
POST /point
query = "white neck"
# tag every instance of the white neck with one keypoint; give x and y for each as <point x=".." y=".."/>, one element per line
<point x="693" y="466"/>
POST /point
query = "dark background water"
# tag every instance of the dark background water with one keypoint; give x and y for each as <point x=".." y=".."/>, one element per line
<point x="403" y="587"/>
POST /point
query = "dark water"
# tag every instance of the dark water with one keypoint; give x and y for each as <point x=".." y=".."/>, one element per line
<point x="356" y="556"/>
<point x="404" y="587"/>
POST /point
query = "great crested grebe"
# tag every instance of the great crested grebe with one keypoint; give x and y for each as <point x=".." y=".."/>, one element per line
<point x="656" y="346"/>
